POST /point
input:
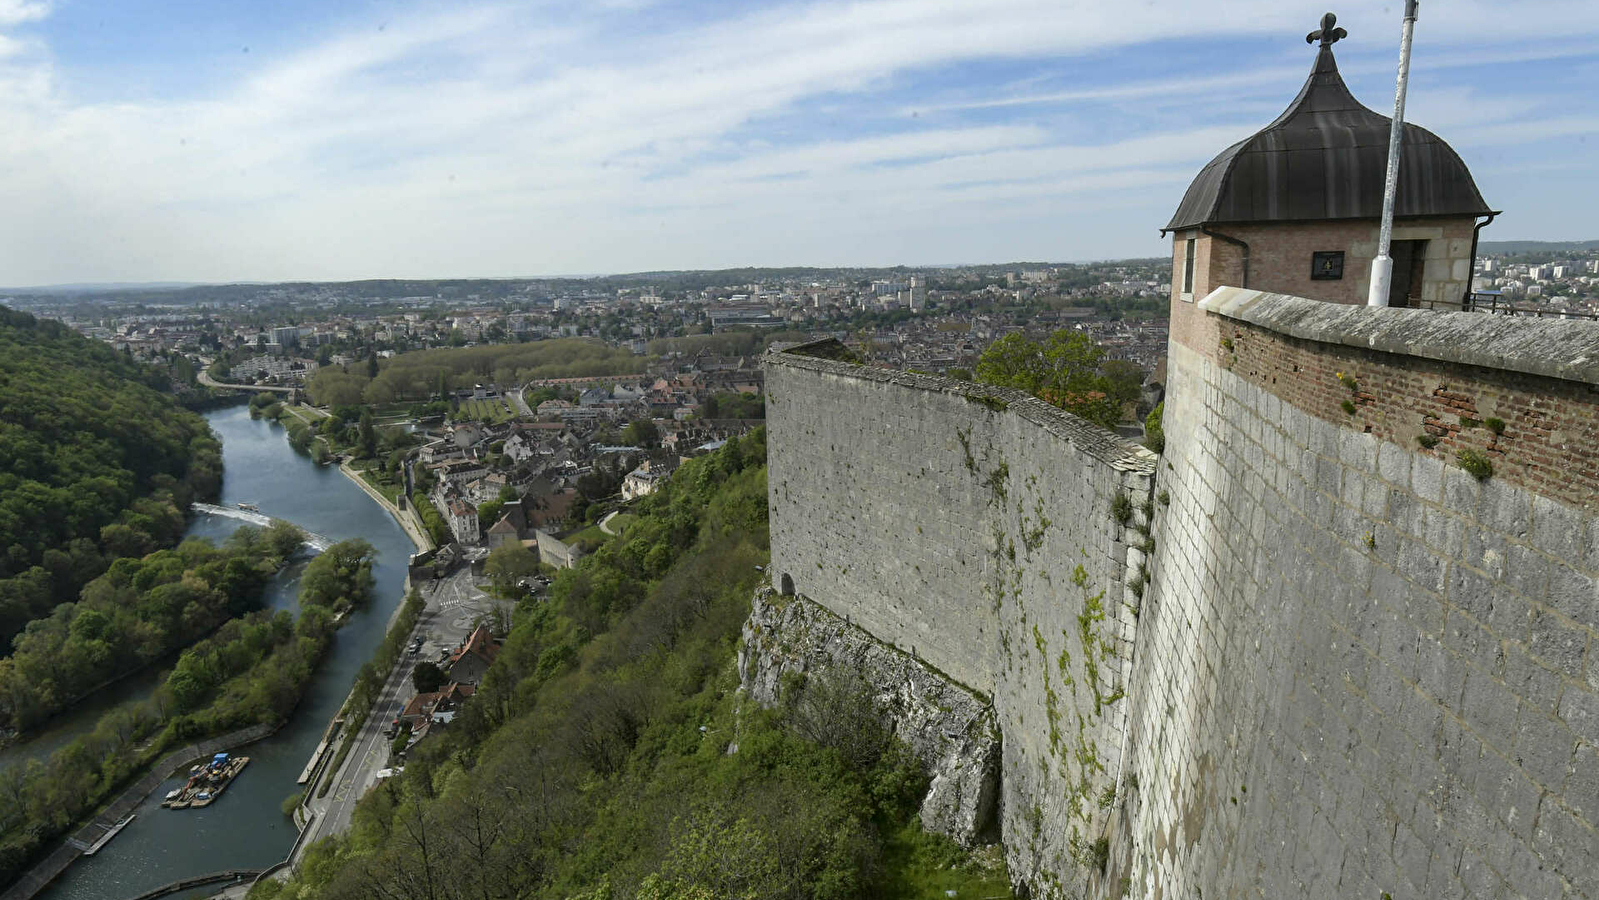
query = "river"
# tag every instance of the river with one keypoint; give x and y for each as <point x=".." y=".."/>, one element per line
<point x="246" y="827"/>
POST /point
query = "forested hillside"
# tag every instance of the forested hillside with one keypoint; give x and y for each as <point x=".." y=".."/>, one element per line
<point x="607" y="753"/>
<point x="95" y="463"/>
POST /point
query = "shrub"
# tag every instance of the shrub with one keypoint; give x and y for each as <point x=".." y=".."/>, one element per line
<point x="1497" y="426"/>
<point x="1154" y="428"/>
<point x="1121" y="508"/>
<point x="1475" y="464"/>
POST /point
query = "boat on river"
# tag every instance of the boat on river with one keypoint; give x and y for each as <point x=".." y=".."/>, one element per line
<point x="206" y="782"/>
<point x="248" y="507"/>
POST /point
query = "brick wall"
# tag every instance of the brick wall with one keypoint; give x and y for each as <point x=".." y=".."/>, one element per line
<point x="1281" y="254"/>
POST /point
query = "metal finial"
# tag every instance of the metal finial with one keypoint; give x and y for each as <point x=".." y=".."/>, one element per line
<point x="1328" y="33"/>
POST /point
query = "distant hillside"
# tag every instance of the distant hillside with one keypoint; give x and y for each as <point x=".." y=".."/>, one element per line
<point x="96" y="462"/>
<point x="1510" y="248"/>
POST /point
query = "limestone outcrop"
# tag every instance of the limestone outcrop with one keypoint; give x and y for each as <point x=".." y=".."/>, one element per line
<point x="950" y="728"/>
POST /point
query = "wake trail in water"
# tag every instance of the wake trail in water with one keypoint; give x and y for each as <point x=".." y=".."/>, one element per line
<point x="313" y="540"/>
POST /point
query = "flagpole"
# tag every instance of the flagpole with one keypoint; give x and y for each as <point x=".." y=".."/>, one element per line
<point x="1382" y="268"/>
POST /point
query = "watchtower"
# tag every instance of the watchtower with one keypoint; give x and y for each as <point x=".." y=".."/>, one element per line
<point x="1295" y="207"/>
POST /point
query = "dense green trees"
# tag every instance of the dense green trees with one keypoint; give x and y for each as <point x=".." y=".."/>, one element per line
<point x="427" y="677"/>
<point x="423" y="374"/>
<point x="251" y="670"/>
<point x="1068" y="370"/>
<point x="95" y="462"/>
<point x="340" y="577"/>
<point x="733" y="405"/>
<point x="438" y="531"/>
<point x="140" y="610"/>
<point x="508" y="564"/>
<point x="641" y="433"/>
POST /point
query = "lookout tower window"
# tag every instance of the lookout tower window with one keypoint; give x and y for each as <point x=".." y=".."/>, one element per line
<point x="1188" y="268"/>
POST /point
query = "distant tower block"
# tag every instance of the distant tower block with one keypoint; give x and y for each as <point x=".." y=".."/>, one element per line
<point x="1295" y="207"/>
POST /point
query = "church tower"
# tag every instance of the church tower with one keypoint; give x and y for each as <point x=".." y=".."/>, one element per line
<point x="1295" y="207"/>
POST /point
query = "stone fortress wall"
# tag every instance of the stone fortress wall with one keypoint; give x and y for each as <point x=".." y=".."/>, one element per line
<point x="1361" y="672"/>
<point x="972" y="528"/>
<point x="1356" y="670"/>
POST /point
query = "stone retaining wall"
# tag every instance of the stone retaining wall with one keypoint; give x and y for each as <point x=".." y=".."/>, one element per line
<point x="979" y="531"/>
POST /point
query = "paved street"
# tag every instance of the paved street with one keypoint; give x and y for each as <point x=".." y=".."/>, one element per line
<point x="454" y="604"/>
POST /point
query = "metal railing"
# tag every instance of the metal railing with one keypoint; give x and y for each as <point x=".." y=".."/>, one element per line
<point x="1499" y="304"/>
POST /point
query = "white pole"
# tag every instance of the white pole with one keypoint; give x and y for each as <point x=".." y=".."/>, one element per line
<point x="1382" y="268"/>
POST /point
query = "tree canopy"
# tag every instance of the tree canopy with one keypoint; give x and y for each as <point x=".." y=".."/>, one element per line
<point x="424" y="374"/>
<point x="1067" y="370"/>
<point x="340" y="578"/>
<point x="509" y="563"/>
<point x="95" y="462"/>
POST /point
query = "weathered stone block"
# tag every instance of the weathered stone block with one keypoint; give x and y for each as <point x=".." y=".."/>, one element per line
<point x="1557" y="643"/>
<point x="1575" y="595"/>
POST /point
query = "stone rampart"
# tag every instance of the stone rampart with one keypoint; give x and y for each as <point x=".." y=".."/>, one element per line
<point x="991" y="536"/>
<point x="1367" y="660"/>
<point x="1361" y="671"/>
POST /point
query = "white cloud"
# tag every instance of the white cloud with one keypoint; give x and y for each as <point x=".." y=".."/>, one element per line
<point x="486" y="140"/>
<point x="15" y="12"/>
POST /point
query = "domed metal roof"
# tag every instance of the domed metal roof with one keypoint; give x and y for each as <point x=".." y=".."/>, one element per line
<point x="1326" y="157"/>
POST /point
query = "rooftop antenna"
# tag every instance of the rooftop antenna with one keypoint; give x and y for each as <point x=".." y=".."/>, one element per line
<point x="1382" y="268"/>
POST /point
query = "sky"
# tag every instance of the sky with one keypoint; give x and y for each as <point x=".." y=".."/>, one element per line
<point x="227" y="140"/>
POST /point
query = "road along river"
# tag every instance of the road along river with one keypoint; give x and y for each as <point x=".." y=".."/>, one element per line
<point x="246" y="828"/>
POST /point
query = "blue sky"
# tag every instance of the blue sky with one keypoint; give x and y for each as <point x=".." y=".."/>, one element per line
<point x="234" y="140"/>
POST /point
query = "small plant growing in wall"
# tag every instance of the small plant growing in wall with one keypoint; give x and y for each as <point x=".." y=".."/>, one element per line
<point x="1349" y="406"/>
<point x="1154" y="429"/>
<point x="1475" y="464"/>
<point x="1121" y="509"/>
<point x="1164" y="497"/>
<point x="1349" y="381"/>
<point x="1497" y="426"/>
<point x="1427" y="441"/>
<point x="993" y="403"/>
<point x="1469" y="422"/>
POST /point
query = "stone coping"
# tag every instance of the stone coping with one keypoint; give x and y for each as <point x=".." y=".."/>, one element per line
<point x="1105" y="446"/>
<point x="1567" y="349"/>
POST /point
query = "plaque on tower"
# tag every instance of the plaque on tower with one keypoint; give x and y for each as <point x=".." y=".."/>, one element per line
<point x="1326" y="265"/>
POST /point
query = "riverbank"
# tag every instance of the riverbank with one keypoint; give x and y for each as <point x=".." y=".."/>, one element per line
<point x="247" y="828"/>
<point x="48" y="869"/>
<point x="408" y="523"/>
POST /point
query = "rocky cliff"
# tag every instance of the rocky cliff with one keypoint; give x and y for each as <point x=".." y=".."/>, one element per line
<point x="950" y="728"/>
